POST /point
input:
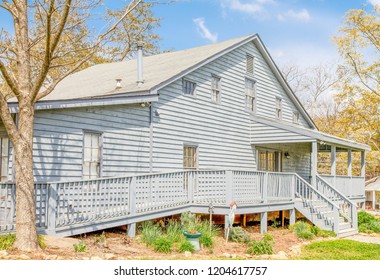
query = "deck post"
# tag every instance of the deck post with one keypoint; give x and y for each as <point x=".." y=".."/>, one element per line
<point x="132" y="206"/>
<point x="292" y="216"/>
<point x="265" y="188"/>
<point x="52" y="208"/>
<point x="229" y="186"/>
<point x="263" y="222"/>
<point x="333" y="163"/>
<point x="336" y="220"/>
<point x="314" y="159"/>
<point x="373" y="200"/>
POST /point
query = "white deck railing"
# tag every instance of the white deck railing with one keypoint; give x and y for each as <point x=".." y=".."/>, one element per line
<point x="350" y="186"/>
<point x="62" y="204"/>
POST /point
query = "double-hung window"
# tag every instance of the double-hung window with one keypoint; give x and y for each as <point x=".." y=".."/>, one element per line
<point x="216" y="89"/>
<point x="190" y="157"/>
<point x="250" y="95"/>
<point x="92" y="155"/>
<point x="4" y="162"/>
<point x="278" y="108"/>
<point x="188" y="87"/>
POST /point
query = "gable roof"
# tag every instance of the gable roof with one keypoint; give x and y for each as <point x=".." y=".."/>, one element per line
<point x="99" y="81"/>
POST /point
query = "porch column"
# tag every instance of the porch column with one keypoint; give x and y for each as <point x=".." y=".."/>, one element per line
<point x="333" y="163"/>
<point x="314" y="162"/>
<point x="373" y="200"/>
<point x="292" y="216"/>
<point x="349" y="162"/>
<point x="362" y="170"/>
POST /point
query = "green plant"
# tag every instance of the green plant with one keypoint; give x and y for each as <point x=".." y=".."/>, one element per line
<point x="6" y="241"/>
<point x="150" y="232"/>
<point x="100" y="239"/>
<point x="276" y="223"/>
<point x="80" y="247"/>
<point x="303" y="230"/>
<point x="364" y="218"/>
<point x="188" y="221"/>
<point x="162" y="245"/>
<point x="206" y="240"/>
<point x="186" y="246"/>
<point x="264" y="246"/>
<point x="238" y="234"/>
<point x="368" y="223"/>
<point x="174" y="231"/>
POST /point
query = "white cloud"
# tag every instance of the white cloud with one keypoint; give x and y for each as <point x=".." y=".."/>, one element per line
<point x="302" y="15"/>
<point x="204" y="31"/>
<point x="252" y="7"/>
<point x="374" y="2"/>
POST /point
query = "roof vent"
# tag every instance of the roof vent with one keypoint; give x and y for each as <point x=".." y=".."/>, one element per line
<point x="118" y="83"/>
<point x="140" y="79"/>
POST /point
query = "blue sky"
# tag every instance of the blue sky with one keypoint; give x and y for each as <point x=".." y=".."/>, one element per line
<point x="294" y="31"/>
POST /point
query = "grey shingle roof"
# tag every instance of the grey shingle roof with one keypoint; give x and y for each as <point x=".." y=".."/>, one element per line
<point x="100" y="80"/>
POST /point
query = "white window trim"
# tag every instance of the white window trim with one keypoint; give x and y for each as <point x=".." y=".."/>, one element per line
<point x="187" y="145"/>
<point x="100" y="151"/>
<point x="278" y="108"/>
<point x="219" y="95"/>
<point x="296" y="117"/>
<point x="195" y="87"/>
<point x="254" y="96"/>
<point x="248" y="55"/>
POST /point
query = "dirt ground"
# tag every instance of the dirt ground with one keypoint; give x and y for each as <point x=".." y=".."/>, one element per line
<point x="115" y="245"/>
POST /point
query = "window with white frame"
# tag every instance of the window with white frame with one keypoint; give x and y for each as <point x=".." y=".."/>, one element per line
<point x="278" y="108"/>
<point x="91" y="155"/>
<point x="250" y="95"/>
<point x="190" y="157"/>
<point x="216" y="87"/>
<point x="296" y="117"/>
<point x="250" y="64"/>
<point x="4" y="146"/>
<point x="188" y="87"/>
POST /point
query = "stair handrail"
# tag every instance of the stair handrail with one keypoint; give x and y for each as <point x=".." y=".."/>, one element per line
<point x="349" y="215"/>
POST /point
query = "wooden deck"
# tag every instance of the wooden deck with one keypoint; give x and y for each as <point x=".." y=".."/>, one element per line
<point x="76" y="207"/>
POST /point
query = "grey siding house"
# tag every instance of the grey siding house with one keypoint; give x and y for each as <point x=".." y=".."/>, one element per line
<point x="222" y="110"/>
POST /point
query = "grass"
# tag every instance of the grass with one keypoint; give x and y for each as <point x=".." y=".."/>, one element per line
<point x="340" y="250"/>
<point x="6" y="241"/>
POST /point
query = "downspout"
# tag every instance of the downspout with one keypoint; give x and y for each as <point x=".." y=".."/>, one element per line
<point x="151" y="138"/>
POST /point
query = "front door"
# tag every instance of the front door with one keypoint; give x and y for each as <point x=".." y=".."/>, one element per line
<point x="269" y="160"/>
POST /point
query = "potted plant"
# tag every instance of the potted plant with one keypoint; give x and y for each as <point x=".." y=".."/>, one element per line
<point x="193" y="237"/>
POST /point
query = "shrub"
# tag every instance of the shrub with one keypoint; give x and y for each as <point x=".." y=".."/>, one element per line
<point x="238" y="234"/>
<point x="303" y="230"/>
<point x="150" y="232"/>
<point x="276" y="223"/>
<point x="264" y="246"/>
<point x="368" y="223"/>
<point x="186" y="246"/>
<point x="163" y="245"/>
<point x="80" y="247"/>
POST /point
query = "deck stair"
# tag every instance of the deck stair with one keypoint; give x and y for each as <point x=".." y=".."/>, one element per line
<point x="326" y="207"/>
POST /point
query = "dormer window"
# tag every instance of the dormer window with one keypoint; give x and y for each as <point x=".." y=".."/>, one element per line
<point x="278" y="108"/>
<point x="250" y="64"/>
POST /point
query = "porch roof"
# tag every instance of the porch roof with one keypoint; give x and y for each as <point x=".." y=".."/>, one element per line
<point x="273" y="131"/>
<point x="373" y="184"/>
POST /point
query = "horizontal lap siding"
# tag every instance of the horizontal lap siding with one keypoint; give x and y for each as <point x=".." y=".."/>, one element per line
<point x="58" y="141"/>
<point x="221" y="131"/>
<point x="262" y="133"/>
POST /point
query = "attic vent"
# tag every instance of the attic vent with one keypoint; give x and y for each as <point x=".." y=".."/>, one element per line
<point x="250" y="61"/>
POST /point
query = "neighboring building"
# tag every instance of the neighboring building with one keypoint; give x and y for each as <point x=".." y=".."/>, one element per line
<point x="372" y="193"/>
<point x="222" y="106"/>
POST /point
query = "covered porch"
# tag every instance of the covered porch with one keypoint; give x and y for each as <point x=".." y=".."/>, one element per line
<point x="318" y="157"/>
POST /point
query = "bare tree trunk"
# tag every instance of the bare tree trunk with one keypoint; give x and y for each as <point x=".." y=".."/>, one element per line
<point x="26" y="237"/>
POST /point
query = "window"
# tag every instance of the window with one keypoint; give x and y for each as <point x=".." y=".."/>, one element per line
<point x="269" y="161"/>
<point x="250" y="64"/>
<point x="250" y="95"/>
<point x="188" y="87"/>
<point x="296" y="117"/>
<point x="278" y="108"/>
<point x="4" y="146"/>
<point x="91" y="155"/>
<point x="215" y="89"/>
<point x="190" y="157"/>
